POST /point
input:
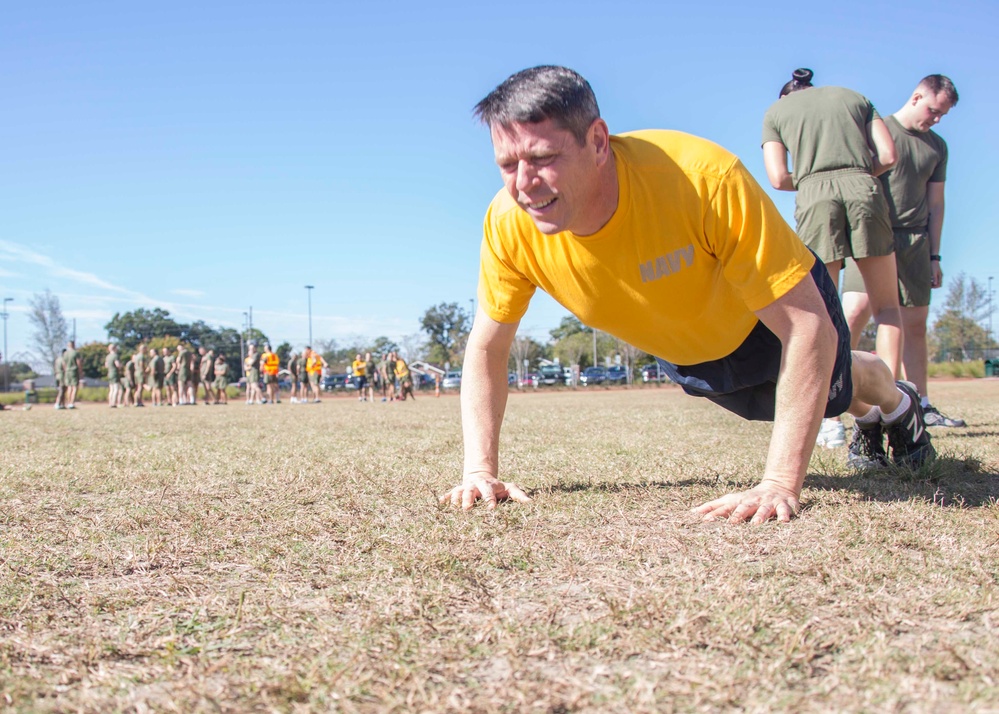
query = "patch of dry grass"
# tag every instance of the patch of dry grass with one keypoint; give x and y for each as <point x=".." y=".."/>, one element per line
<point x="294" y="558"/>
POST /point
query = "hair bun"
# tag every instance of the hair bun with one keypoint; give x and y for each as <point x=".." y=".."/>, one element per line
<point x="802" y="75"/>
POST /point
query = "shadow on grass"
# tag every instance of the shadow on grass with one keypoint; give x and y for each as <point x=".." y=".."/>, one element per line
<point x="948" y="480"/>
<point x="623" y="487"/>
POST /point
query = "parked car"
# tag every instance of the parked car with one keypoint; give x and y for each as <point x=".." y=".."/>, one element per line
<point x="531" y="379"/>
<point x="550" y="374"/>
<point x="338" y="381"/>
<point x="452" y="380"/>
<point x="593" y="375"/>
<point x="567" y="376"/>
<point x="425" y="381"/>
<point x="617" y="374"/>
<point x="654" y="373"/>
<point x="511" y="379"/>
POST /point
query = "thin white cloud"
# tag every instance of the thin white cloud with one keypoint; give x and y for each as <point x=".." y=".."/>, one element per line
<point x="18" y="253"/>
<point x="188" y="293"/>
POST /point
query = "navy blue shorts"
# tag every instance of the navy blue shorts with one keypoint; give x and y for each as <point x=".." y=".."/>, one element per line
<point x="745" y="382"/>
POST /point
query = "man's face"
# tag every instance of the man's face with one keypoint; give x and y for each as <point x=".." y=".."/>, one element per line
<point x="548" y="174"/>
<point x="929" y="109"/>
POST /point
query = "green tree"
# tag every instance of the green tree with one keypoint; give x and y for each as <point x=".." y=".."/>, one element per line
<point x="569" y="326"/>
<point x="957" y="331"/>
<point x="19" y="371"/>
<point x="381" y="345"/>
<point x="131" y="328"/>
<point x="50" y="331"/>
<point x="524" y="348"/>
<point x="283" y="352"/>
<point x="92" y="356"/>
<point x="447" y="326"/>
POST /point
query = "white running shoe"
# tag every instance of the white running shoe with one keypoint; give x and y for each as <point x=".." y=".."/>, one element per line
<point x="832" y="434"/>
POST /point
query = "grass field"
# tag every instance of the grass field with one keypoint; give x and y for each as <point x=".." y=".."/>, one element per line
<point x="294" y="558"/>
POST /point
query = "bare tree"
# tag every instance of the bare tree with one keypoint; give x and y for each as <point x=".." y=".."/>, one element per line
<point x="630" y="354"/>
<point x="413" y="347"/>
<point x="50" y="330"/>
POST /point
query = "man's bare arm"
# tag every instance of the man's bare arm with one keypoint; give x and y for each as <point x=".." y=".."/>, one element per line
<point x="484" y="391"/>
<point x="808" y="338"/>
<point x="775" y="162"/>
<point x="935" y="204"/>
<point x="885" y="154"/>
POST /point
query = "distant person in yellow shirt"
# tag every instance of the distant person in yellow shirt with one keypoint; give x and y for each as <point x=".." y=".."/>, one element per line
<point x="667" y="242"/>
<point x="359" y="369"/>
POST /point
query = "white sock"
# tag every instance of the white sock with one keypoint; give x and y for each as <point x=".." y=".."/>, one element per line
<point x="902" y="407"/>
<point x="924" y="402"/>
<point x="870" y="418"/>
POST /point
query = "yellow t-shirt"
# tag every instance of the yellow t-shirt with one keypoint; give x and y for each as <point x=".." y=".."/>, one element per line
<point x="694" y="246"/>
<point x="360" y="368"/>
<point x="401" y="368"/>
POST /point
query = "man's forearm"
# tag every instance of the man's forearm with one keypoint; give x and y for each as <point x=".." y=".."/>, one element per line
<point x="484" y="392"/>
<point x="802" y="391"/>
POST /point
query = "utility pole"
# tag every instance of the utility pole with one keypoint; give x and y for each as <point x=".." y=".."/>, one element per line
<point x="6" y="357"/>
<point x="310" y="288"/>
<point x="990" y="318"/>
<point x="242" y="352"/>
<point x="595" y="347"/>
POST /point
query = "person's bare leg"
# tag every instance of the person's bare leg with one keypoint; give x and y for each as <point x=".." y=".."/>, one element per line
<point x="914" y="351"/>
<point x="857" y="309"/>
<point x="873" y="386"/>
<point x="881" y="280"/>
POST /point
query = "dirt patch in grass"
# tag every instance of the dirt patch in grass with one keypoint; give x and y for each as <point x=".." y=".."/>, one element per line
<point x="294" y="558"/>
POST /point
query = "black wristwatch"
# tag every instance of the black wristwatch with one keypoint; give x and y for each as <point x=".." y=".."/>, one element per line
<point x="934" y="257"/>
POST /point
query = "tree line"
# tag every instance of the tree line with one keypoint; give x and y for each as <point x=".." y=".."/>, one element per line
<point x="958" y="333"/>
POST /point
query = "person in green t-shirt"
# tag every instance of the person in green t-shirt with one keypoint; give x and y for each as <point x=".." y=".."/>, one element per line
<point x="72" y="369"/>
<point x="140" y="359"/>
<point x="915" y="191"/>
<point x="157" y="371"/>
<point x="838" y="145"/>
<point x="113" y="367"/>
<point x="170" y="376"/>
<point x="59" y="374"/>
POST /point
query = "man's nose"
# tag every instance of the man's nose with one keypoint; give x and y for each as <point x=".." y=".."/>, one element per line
<point x="526" y="176"/>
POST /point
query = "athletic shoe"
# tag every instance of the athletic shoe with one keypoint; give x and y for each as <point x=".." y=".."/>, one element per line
<point x="832" y="434"/>
<point x="907" y="437"/>
<point x="933" y="417"/>
<point x="867" y="449"/>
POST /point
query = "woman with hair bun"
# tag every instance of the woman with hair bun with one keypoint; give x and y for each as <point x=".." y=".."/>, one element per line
<point x="838" y="144"/>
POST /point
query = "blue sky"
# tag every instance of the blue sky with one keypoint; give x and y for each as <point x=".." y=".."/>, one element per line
<point x="206" y="157"/>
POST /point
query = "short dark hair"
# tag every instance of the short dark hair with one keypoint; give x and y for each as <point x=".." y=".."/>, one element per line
<point x="539" y="93"/>
<point x="938" y="83"/>
<point x="801" y="78"/>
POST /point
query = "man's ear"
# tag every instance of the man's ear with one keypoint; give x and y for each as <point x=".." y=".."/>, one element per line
<point x="599" y="138"/>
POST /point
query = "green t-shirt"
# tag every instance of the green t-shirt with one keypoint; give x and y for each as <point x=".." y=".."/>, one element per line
<point x="157" y="366"/>
<point x="824" y="129"/>
<point x="168" y="363"/>
<point x="140" y="365"/>
<point x="301" y="368"/>
<point x="922" y="159"/>
<point x="110" y="363"/>
<point x="69" y="362"/>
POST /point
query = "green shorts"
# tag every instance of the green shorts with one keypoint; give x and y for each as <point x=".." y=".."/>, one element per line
<point x="156" y="382"/>
<point x="314" y="378"/>
<point x="128" y="382"/>
<point x="253" y="376"/>
<point x="270" y="379"/>
<point x="912" y="257"/>
<point x="183" y="376"/>
<point x="220" y="383"/>
<point x="171" y="381"/>
<point x="72" y="379"/>
<point x="843" y="214"/>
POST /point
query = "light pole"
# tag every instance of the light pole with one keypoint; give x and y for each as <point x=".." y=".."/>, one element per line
<point x="310" y="289"/>
<point x="6" y="357"/>
<point x="242" y="353"/>
<point x="990" y="319"/>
